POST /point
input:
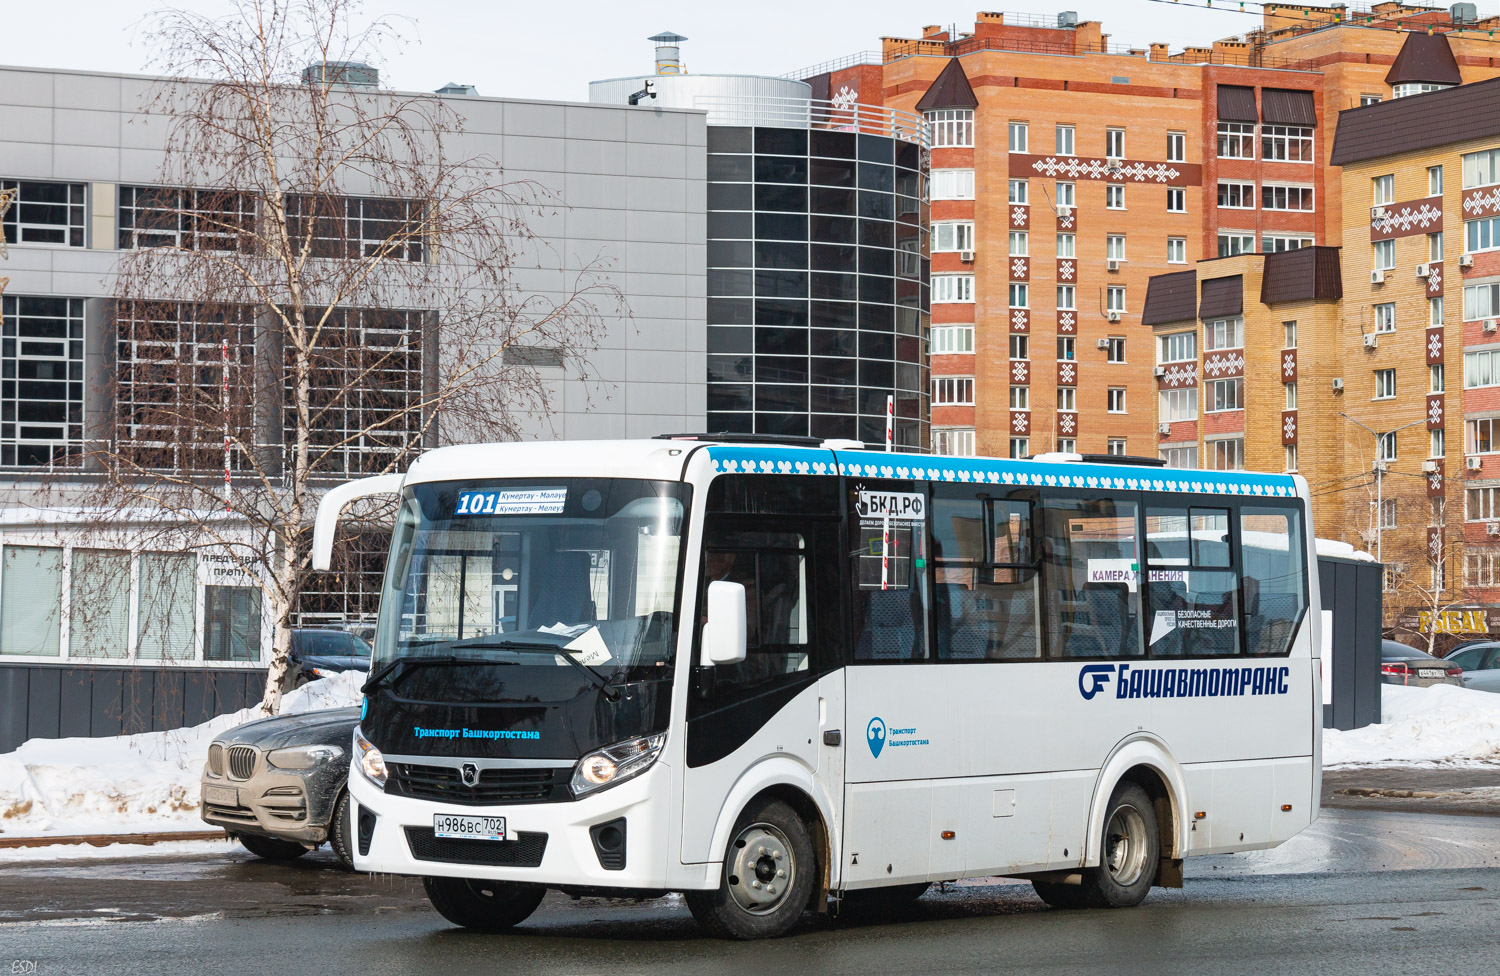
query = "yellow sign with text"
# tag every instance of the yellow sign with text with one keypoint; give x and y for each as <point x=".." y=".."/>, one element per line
<point x="1454" y="622"/>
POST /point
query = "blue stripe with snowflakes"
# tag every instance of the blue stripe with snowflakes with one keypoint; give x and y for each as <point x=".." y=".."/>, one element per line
<point x="996" y="471"/>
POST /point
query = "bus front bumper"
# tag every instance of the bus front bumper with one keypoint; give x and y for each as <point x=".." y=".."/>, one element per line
<point x="547" y="843"/>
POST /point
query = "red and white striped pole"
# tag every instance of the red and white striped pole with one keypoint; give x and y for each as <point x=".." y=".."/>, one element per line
<point x="890" y="423"/>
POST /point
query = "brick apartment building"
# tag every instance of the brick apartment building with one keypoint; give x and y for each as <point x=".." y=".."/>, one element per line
<point x="1068" y="171"/>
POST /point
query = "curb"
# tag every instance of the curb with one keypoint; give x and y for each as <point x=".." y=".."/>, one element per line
<point x="106" y="840"/>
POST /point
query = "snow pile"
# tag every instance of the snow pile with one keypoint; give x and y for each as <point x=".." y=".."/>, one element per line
<point x="130" y="783"/>
<point x="1442" y="723"/>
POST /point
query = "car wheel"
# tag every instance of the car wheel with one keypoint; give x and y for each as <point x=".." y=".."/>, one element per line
<point x="272" y="849"/>
<point x="485" y="906"/>
<point x="1129" y="853"/>
<point x="769" y="873"/>
<point x="339" y="836"/>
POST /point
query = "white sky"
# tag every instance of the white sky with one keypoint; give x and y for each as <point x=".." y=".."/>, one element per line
<point x="553" y="48"/>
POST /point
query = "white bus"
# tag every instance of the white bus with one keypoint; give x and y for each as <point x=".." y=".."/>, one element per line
<point x="783" y="676"/>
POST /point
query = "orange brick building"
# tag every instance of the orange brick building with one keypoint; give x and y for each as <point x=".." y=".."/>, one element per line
<point x="1068" y="171"/>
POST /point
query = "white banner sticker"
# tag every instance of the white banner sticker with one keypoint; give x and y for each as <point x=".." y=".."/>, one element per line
<point x="907" y="506"/>
<point x="525" y="501"/>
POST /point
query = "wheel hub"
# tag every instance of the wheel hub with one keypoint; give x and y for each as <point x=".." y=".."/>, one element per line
<point x="761" y="869"/>
<point x="1125" y="846"/>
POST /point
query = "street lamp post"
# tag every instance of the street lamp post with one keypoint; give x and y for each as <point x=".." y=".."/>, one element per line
<point x="1379" y="470"/>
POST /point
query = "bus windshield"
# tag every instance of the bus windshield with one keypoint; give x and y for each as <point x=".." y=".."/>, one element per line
<point x="539" y="572"/>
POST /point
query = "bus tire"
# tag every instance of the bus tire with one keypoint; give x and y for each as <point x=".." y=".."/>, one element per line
<point x="485" y="906"/>
<point x="1129" y="852"/>
<point x="338" y="832"/>
<point x="769" y="873"/>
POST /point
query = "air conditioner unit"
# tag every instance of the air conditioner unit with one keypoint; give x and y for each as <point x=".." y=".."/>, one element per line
<point x="1064" y="210"/>
<point x="1429" y="467"/>
<point x="1473" y="463"/>
<point x="1159" y="371"/>
<point x="1371" y="340"/>
<point x="1113" y="316"/>
<point x="1377" y="277"/>
<point x="1377" y="213"/>
<point x="1492" y="528"/>
<point x="1466" y="260"/>
<point x="1112" y="265"/>
<point x="966" y="256"/>
<point x="1338" y="384"/>
<point x="1102" y="343"/>
<point x="1164" y="428"/>
<point x="1424" y="271"/>
<point x="1489" y="325"/>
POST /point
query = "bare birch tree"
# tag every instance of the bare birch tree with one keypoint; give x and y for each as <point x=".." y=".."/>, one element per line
<point x="320" y="287"/>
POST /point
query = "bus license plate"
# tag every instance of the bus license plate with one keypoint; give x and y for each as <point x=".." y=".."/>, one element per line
<point x="1429" y="673"/>
<point x="468" y="828"/>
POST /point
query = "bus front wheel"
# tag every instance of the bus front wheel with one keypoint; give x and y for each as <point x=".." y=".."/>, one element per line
<point x="485" y="906"/>
<point x="769" y="873"/>
<point x="1129" y="857"/>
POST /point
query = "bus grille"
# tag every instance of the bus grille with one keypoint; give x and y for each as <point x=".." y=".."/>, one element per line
<point x="442" y="783"/>
<point x="524" y="852"/>
<point x="241" y="761"/>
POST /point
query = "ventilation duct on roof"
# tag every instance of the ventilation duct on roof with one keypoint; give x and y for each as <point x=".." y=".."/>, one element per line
<point x="351" y="73"/>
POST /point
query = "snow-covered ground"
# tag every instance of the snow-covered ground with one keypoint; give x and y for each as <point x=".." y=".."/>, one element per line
<point x="1441" y="724"/>
<point x="129" y="783"/>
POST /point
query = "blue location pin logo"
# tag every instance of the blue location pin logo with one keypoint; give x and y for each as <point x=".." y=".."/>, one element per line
<point x="875" y="736"/>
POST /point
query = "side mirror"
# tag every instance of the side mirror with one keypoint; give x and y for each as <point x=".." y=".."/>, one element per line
<point x="724" y="634"/>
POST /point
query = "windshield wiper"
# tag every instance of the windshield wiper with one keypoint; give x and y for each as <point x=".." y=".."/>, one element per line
<point x="446" y="660"/>
<point x="601" y="684"/>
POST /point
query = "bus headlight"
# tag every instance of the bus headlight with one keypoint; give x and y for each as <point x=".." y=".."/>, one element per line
<point x="303" y="757"/>
<point x="369" y="759"/>
<point x="616" y="763"/>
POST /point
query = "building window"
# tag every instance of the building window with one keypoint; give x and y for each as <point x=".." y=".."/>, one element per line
<point x="1020" y="447"/>
<point x="1394" y="574"/>
<point x="231" y="623"/>
<point x="1020" y="190"/>
<point x="31" y="601"/>
<point x="1385" y="384"/>
<point x="1437" y="511"/>
<point x="1368" y="99"/>
<point x="1227" y="454"/>
<point x="953" y="127"/>
<point x="1020" y="398"/>
<point x="1065" y="194"/>
<point x="1408" y="88"/>
<point x="1236" y="196"/>
<point x="1114" y="143"/>
<point x="1289" y="395"/>
<point x="952" y="339"/>
<point x="1383" y="255"/>
<point x="1435" y="311"/>
<point x="1385" y="446"/>
<point x="1435" y="443"/>
<point x="1434" y="181"/>
<point x="1017" y="141"/>
<point x="1275" y="196"/>
<point x="1435" y="246"/>
<point x="1177" y="347"/>
<point x="1234" y="242"/>
<point x="1236" y="140"/>
<point x="1020" y="295"/>
<point x="1481" y="504"/>
<point x="1115" y="399"/>
<point x="1177" y="250"/>
<point x="1286" y="143"/>
<point x="1066" y="349"/>
<point x="1067" y="398"/>
<point x="953" y="391"/>
<point x="1435" y="378"/>
<point x="952" y="288"/>
<point x="44" y="213"/>
<point x="1272" y="243"/>
<point x="1114" y="349"/>
<point x="1385" y="317"/>
<point x="1481" y="302"/>
<point x="1114" y="196"/>
<point x="1224" y="334"/>
<point x="1482" y="368"/>
<point x="1065" y="140"/>
<point x="1482" y="234"/>
<point x="1289" y="457"/>
<point x="354" y="227"/>
<point x="1066" y="299"/>
<point x="1175" y="405"/>
<point x="1180" y="457"/>
<point x="1114" y="247"/>
<point x="956" y="441"/>
<point x="1289" y="335"/>
<point x="1383" y="190"/>
<point x="1481" y="168"/>
<point x="956" y="184"/>
<point x="204" y="220"/>
<point x="1020" y="347"/>
<point x="1064" y="245"/>
<point x="958" y="235"/>
<point x="1114" y="299"/>
<point x="1067" y="445"/>
<point x="1482" y="569"/>
<point x="1176" y="147"/>
<point x="1481" y="435"/>
<point x="1020" y="242"/>
<point x="1115" y="446"/>
<point x="1176" y="199"/>
<point x="1224" y="395"/>
<point x="41" y="396"/>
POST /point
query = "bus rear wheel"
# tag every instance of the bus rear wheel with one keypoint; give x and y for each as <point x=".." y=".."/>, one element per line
<point x="769" y="873"/>
<point x="1129" y="857"/>
<point x="485" y="906"/>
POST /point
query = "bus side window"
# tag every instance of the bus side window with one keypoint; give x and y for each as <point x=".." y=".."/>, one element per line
<point x="984" y="581"/>
<point x="1275" y="577"/>
<point x="1192" y="587"/>
<point x="890" y="582"/>
<point x="1090" y="556"/>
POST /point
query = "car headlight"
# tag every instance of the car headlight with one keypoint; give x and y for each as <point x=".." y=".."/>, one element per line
<point x="616" y="763"/>
<point x="303" y="757"/>
<point x="369" y="759"/>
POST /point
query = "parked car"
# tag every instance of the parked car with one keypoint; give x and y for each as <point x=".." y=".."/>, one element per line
<point x="1403" y="665"/>
<point x="363" y="629"/>
<point x="278" y="784"/>
<point x="1480" y="661"/>
<point x="320" y="653"/>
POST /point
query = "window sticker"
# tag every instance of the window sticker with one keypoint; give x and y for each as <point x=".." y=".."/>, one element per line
<point x="527" y="501"/>
<point x="906" y="506"/>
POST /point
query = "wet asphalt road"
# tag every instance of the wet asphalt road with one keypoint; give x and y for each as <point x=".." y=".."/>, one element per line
<point x="1362" y="892"/>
